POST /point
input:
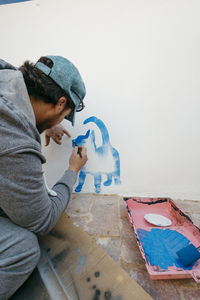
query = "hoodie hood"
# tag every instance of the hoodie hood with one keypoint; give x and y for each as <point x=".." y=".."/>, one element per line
<point x="18" y="130"/>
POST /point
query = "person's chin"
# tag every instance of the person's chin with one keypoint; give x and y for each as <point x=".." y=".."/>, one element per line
<point x="46" y="125"/>
<point x="39" y="128"/>
<point x="42" y="127"/>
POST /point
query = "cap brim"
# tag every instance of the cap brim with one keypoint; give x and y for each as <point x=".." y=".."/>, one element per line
<point x="76" y="102"/>
<point x="71" y="117"/>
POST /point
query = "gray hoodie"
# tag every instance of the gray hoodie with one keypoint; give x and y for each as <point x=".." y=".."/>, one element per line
<point x="23" y="196"/>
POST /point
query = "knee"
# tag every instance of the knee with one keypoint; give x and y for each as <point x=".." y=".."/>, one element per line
<point x="32" y="248"/>
<point x="35" y="249"/>
<point x="18" y="259"/>
<point x="21" y="249"/>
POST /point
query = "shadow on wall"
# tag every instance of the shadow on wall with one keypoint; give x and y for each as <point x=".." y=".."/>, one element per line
<point x="102" y="160"/>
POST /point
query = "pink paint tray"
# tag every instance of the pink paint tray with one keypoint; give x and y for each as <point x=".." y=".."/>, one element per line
<point x="159" y="244"/>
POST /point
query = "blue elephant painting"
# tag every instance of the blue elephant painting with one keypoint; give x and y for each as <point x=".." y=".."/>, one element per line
<point x="104" y="154"/>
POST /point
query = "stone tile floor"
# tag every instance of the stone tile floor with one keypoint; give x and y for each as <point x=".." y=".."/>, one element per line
<point x="104" y="217"/>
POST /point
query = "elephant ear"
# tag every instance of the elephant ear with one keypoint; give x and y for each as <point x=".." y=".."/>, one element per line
<point x="80" y="139"/>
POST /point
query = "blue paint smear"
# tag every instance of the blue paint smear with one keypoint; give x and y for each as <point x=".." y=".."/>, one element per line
<point x="78" y="250"/>
<point x="2" y="2"/>
<point x="160" y="247"/>
<point x="81" y="262"/>
<point x="102" y="151"/>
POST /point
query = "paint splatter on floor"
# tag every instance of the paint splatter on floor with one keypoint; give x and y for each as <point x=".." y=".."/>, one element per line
<point x="107" y="295"/>
<point x="98" y="293"/>
<point x="160" y="247"/>
<point x="97" y="274"/>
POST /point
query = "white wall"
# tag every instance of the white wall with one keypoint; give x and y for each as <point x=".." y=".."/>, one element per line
<point x="140" y="62"/>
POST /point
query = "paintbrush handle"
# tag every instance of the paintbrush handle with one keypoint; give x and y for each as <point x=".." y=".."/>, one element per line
<point x="79" y="152"/>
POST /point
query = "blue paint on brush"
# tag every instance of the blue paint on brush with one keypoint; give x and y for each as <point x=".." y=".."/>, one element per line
<point x="160" y="247"/>
<point x="102" y="151"/>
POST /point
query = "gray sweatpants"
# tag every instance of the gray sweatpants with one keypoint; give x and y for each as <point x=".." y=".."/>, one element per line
<point x="19" y="255"/>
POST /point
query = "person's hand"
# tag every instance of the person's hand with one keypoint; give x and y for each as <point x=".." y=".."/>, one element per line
<point x="78" y="159"/>
<point x="56" y="133"/>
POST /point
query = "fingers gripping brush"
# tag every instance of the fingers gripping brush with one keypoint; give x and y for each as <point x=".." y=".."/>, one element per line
<point x="79" y="152"/>
<point x="188" y="255"/>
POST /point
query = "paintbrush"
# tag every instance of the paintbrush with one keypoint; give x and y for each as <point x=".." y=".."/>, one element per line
<point x="189" y="254"/>
<point x="79" y="151"/>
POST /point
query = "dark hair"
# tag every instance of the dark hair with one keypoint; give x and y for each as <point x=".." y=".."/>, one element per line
<point x="41" y="86"/>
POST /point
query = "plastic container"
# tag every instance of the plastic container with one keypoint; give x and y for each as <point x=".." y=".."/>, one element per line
<point x="158" y="244"/>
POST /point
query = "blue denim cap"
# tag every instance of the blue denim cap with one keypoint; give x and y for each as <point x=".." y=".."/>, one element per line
<point x="66" y="75"/>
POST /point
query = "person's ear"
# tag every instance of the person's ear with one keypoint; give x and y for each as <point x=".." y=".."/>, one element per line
<point x="62" y="101"/>
<point x="61" y="104"/>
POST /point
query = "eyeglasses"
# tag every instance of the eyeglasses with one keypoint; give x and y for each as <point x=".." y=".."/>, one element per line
<point x="80" y="106"/>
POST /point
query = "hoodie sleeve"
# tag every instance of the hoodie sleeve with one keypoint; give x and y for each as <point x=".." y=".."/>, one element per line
<point x="24" y="197"/>
<point x="4" y="65"/>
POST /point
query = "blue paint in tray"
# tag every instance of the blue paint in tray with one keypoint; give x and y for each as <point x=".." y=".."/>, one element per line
<point x="160" y="247"/>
